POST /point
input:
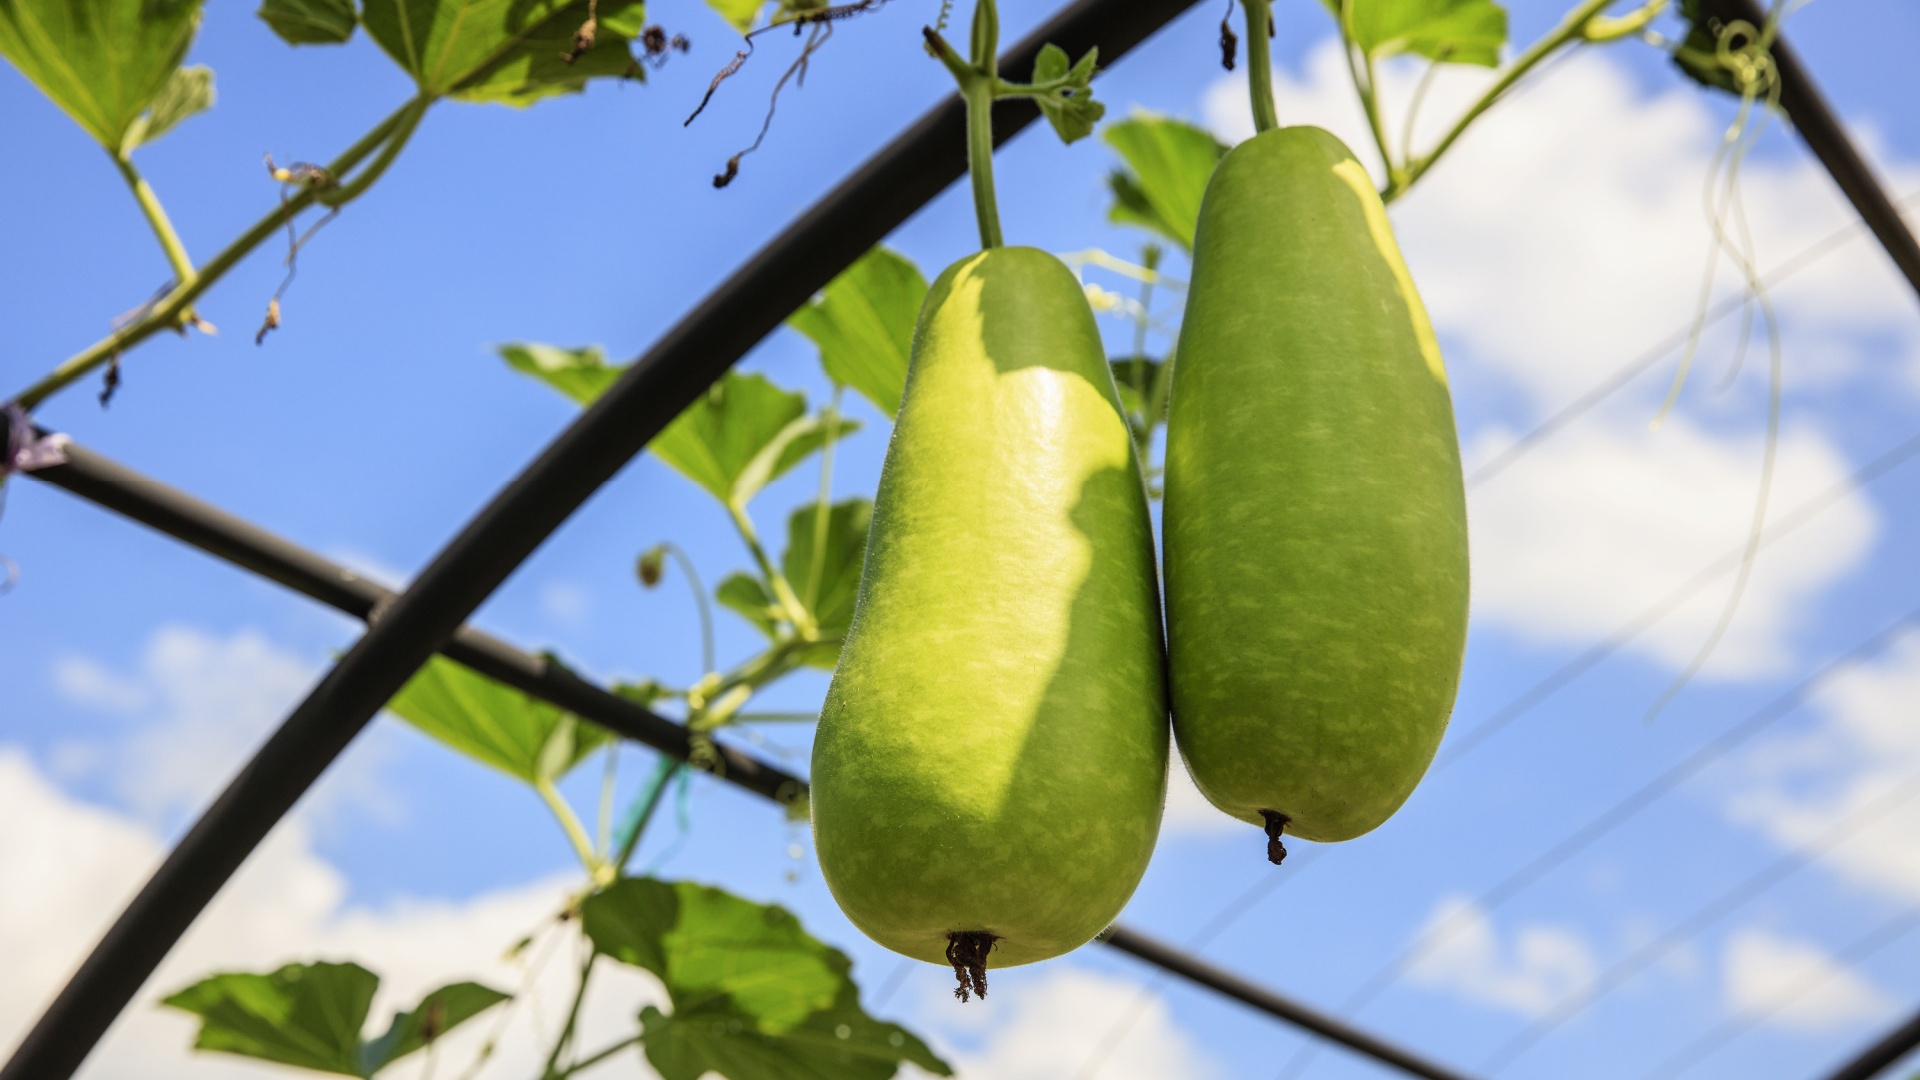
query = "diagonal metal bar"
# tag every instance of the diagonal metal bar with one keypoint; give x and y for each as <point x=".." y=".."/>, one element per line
<point x="1168" y="958"/>
<point x="115" y="487"/>
<point x="165" y="509"/>
<point x="827" y="239"/>
<point x="1814" y="119"/>
<point x="1882" y="1055"/>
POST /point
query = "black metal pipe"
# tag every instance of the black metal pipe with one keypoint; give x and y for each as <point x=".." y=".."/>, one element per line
<point x="1814" y="119"/>
<point x="168" y="510"/>
<point x="827" y="239"/>
<point x="1882" y="1055"/>
<point x="1327" y="1027"/>
<point x="175" y="513"/>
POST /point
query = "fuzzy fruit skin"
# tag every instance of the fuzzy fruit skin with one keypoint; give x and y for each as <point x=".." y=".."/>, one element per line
<point x="992" y="753"/>
<point x="1315" y="518"/>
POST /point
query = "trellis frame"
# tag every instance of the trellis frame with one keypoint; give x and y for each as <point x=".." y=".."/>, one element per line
<point x="405" y="629"/>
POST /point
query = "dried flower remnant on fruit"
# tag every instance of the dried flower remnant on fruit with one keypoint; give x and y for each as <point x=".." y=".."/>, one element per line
<point x="967" y="951"/>
<point x="1276" y="824"/>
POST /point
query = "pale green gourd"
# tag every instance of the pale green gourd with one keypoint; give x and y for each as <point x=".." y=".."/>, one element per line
<point x="992" y="753"/>
<point x="1315" y="518"/>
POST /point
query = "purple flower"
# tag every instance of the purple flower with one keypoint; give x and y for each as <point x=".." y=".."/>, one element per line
<point x="25" y="451"/>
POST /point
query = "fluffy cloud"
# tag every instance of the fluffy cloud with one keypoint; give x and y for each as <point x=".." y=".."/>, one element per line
<point x="1849" y="766"/>
<point x="1053" y="1024"/>
<point x="70" y="867"/>
<point x="1601" y="523"/>
<point x="202" y="704"/>
<point x="1538" y="968"/>
<point x="1796" y="985"/>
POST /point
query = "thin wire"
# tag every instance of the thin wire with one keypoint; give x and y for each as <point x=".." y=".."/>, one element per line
<point x="1693" y="925"/>
<point x="1719" y="1036"/>
<point x="1585" y="403"/>
<point x="1605" y="823"/>
<point x="1226" y="917"/>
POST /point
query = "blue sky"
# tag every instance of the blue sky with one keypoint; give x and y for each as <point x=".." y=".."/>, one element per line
<point x="1564" y="237"/>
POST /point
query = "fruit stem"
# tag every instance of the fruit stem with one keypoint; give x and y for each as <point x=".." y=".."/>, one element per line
<point x="1260" y="63"/>
<point x="967" y="951"/>
<point x="979" y="79"/>
<point x="1276" y="824"/>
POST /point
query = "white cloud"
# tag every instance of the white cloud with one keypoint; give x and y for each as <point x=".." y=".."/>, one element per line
<point x="1796" y="984"/>
<point x="565" y="602"/>
<point x="204" y="703"/>
<point x="1599" y="524"/>
<point x="70" y="866"/>
<point x="1048" y="1026"/>
<point x="1532" y="973"/>
<point x="1565" y="233"/>
<point x="1848" y="767"/>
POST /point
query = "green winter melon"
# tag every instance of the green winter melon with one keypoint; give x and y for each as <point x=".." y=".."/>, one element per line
<point x="1315" y="519"/>
<point x="990" y="765"/>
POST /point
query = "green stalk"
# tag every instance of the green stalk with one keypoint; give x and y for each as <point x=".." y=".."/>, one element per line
<point x="156" y="216"/>
<point x="569" y="822"/>
<point x="1571" y="28"/>
<point x="599" y="1056"/>
<point x="1260" y="64"/>
<point x="782" y="589"/>
<point x="979" y="95"/>
<point x="573" y="1020"/>
<point x="823" y="504"/>
<point x="172" y="307"/>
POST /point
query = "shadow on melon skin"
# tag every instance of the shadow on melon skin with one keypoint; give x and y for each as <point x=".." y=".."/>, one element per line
<point x="992" y="757"/>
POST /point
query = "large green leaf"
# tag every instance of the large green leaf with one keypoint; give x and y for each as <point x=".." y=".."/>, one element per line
<point x="754" y="996"/>
<point x="103" y="61"/>
<point x="310" y="22"/>
<point x="510" y="51"/>
<point x="521" y="736"/>
<point x="311" y="1016"/>
<point x="582" y="374"/>
<point x="1454" y="31"/>
<point x="740" y="13"/>
<point x="1168" y="164"/>
<point x="830" y="594"/>
<point x="188" y="91"/>
<point x="438" y="1013"/>
<point x="741" y="435"/>
<point x="863" y="324"/>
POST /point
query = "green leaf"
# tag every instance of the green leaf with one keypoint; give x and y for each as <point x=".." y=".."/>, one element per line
<point x="103" y="61"/>
<point x="740" y="13"/>
<point x="307" y="1015"/>
<point x="188" y="91"/>
<point x="744" y="595"/>
<point x="1069" y="107"/>
<point x="863" y="323"/>
<point x="742" y="435"/>
<point x="830" y="596"/>
<point x="311" y="1015"/>
<point x="521" y="736"/>
<point x="1453" y="31"/>
<point x="508" y="51"/>
<point x="582" y="374"/>
<point x="310" y="22"/>
<point x="754" y="996"/>
<point x="1168" y="164"/>
<point x="438" y="1013"/>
